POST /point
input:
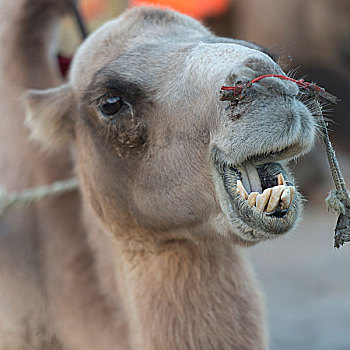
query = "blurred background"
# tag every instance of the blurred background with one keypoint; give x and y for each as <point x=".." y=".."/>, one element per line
<point x="306" y="281"/>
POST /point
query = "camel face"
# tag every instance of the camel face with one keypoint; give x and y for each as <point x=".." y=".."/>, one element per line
<point x="155" y="146"/>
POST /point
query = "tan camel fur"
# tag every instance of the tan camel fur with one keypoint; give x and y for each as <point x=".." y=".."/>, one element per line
<point x="150" y="253"/>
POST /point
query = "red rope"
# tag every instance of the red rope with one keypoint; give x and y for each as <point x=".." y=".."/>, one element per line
<point x="238" y="89"/>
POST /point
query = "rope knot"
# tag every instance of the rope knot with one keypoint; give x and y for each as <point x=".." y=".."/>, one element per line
<point x="334" y="202"/>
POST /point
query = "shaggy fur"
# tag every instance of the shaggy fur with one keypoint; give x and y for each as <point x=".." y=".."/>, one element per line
<point x="149" y="256"/>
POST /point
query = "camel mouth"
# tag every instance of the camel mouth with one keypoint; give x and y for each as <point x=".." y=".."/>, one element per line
<point x="264" y="187"/>
<point x="257" y="195"/>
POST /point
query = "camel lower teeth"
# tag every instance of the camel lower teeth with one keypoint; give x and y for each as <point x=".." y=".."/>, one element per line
<point x="252" y="198"/>
<point x="271" y="198"/>
<point x="262" y="200"/>
<point x="286" y="198"/>
<point x="241" y="190"/>
<point x="275" y="198"/>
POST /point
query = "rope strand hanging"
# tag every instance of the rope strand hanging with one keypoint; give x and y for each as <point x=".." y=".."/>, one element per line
<point x="15" y="200"/>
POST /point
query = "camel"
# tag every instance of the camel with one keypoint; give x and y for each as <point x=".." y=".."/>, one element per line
<point x="174" y="184"/>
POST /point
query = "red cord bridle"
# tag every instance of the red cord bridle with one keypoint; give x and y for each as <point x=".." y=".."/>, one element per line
<point x="236" y="93"/>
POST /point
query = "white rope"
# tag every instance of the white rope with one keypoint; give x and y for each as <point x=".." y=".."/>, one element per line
<point x="13" y="200"/>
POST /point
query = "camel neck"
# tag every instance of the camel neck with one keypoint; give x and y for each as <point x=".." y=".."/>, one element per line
<point x="185" y="296"/>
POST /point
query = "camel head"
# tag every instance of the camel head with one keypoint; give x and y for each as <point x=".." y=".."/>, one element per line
<point x="154" y="146"/>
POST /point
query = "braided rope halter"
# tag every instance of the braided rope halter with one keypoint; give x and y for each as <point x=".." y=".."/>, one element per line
<point x="338" y="200"/>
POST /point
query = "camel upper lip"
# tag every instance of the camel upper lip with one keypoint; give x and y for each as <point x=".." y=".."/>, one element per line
<point x="277" y="155"/>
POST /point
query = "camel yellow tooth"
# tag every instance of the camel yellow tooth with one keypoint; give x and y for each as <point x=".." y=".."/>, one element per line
<point x="292" y="190"/>
<point x="275" y="198"/>
<point x="262" y="199"/>
<point x="286" y="199"/>
<point x="252" y="198"/>
<point x="280" y="180"/>
<point x="241" y="190"/>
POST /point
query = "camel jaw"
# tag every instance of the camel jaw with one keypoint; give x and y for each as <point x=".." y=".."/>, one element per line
<point x="257" y="196"/>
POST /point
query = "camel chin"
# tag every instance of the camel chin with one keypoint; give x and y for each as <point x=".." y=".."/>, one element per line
<point x="257" y="195"/>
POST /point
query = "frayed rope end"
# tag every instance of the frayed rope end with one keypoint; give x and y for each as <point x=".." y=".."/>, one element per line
<point x="334" y="202"/>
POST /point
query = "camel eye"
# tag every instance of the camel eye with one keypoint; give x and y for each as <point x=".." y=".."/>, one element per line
<point x="111" y="106"/>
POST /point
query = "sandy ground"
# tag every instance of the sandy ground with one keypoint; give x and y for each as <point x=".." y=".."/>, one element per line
<point x="307" y="286"/>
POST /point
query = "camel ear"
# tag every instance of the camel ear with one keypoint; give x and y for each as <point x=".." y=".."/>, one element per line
<point x="50" y="115"/>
